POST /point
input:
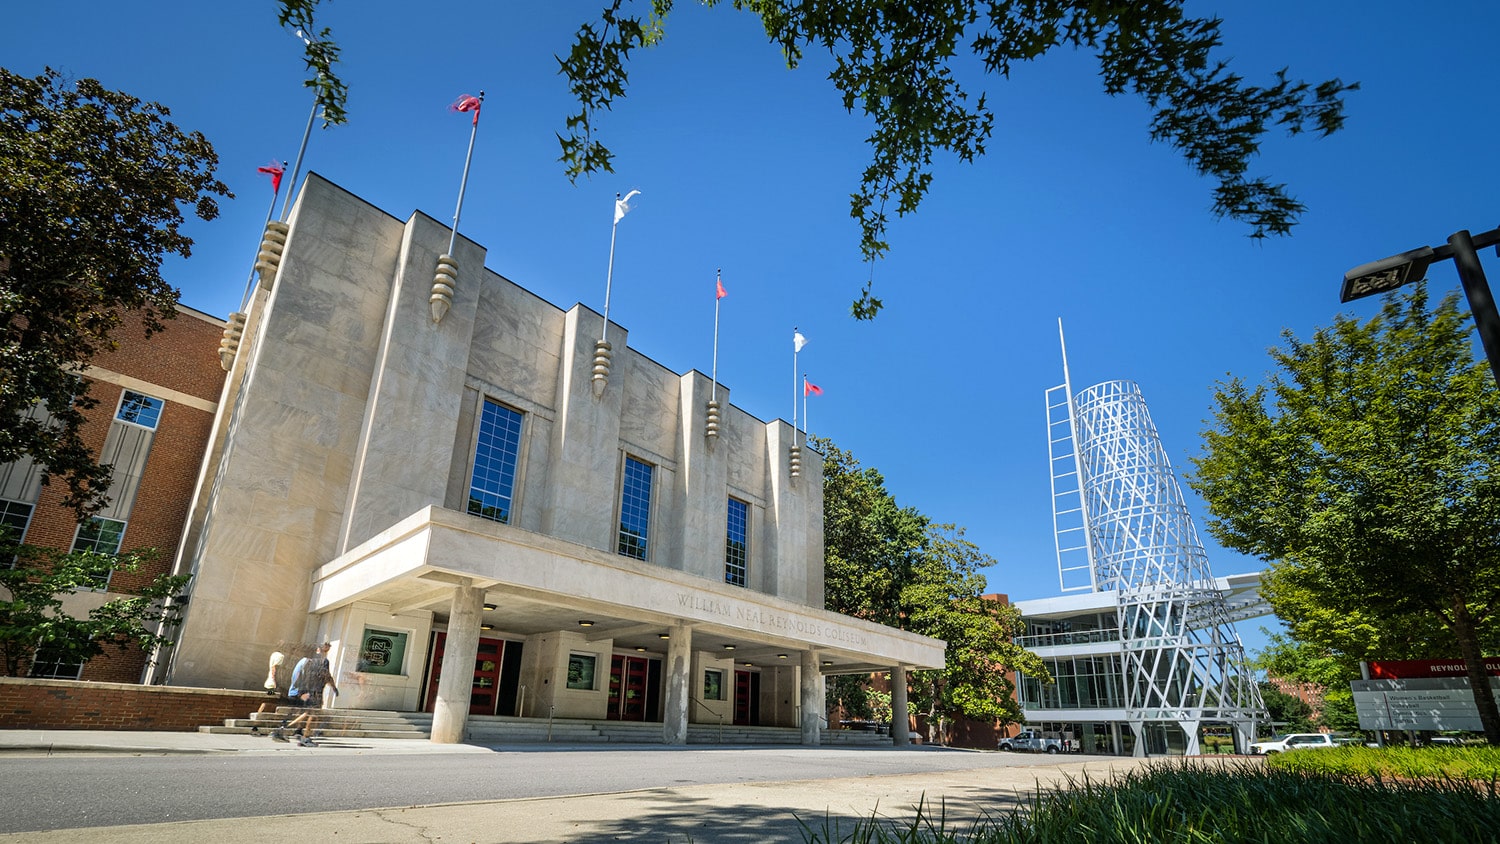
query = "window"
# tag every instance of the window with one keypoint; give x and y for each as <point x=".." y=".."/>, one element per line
<point x="101" y="536"/>
<point x="52" y="663"/>
<point x="735" y="552"/>
<point x="635" y="509"/>
<point x="581" y="671"/>
<point x="13" y="519"/>
<point x="139" y="410"/>
<point x="713" y="684"/>
<point x="492" y="487"/>
<point x="382" y="652"/>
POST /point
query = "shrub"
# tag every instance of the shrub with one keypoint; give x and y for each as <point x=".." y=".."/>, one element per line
<point x="1196" y="803"/>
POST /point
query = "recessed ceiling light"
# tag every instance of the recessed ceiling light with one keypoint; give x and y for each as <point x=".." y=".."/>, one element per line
<point x="664" y="635"/>
<point x="641" y="650"/>
<point x="486" y="627"/>
<point x="583" y="622"/>
<point x="747" y="665"/>
<point x="488" y="607"/>
<point x="729" y="647"/>
<point x="781" y="656"/>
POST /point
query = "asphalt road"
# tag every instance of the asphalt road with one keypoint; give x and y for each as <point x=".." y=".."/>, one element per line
<point x="80" y="791"/>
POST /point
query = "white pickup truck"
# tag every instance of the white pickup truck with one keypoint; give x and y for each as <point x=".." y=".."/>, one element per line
<point x="1035" y="742"/>
<point x="1293" y="741"/>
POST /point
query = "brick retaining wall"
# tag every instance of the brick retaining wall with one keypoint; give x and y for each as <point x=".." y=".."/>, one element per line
<point x="80" y="705"/>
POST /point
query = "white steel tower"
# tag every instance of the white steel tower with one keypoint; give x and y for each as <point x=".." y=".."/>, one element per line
<point x="1122" y="526"/>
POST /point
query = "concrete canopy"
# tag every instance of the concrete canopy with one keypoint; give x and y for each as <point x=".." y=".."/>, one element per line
<point x="539" y="583"/>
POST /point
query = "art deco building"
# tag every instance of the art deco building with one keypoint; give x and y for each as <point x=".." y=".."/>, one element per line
<point x="487" y="510"/>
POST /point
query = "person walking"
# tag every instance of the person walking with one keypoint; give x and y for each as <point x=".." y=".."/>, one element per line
<point x="309" y="678"/>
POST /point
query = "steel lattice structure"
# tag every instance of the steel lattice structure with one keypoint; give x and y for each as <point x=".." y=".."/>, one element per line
<point x="1121" y="519"/>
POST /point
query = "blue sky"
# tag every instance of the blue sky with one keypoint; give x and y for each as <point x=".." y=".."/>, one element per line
<point x="747" y="166"/>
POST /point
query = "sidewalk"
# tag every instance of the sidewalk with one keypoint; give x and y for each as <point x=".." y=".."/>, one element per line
<point x="738" y="813"/>
<point x="140" y="743"/>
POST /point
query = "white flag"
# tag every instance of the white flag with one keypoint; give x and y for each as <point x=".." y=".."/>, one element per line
<point x="798" y="341"/>
<point x="622" y="206"/>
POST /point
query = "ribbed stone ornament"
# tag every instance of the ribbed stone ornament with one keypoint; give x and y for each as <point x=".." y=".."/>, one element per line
<point x="272" y="244"/>
<point x="796" y="464"/>
<point x="443" y="285"/>
<point x="229" y="344"/>
<point x="602" y="356"/>
<point x="711" y="422"/>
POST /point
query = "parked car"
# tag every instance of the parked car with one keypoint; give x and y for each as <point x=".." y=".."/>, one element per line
<point x="1445" y="741"/>
<point x="1035" y="742"/>
<point x="1293" y="741"/>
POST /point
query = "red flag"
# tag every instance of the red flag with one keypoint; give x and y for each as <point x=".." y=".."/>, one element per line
<point x="275" y="171"/>
<point x="467" y="103"/>
<point x="720" y="293"/>
<point x="809" y="388"/>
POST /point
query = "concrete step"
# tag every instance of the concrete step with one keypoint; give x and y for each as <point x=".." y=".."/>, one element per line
<point x="318" y="733"/>
<point x="498" y="729"/>
<point x="326" y="723"/>
<point x="854" y="738"/>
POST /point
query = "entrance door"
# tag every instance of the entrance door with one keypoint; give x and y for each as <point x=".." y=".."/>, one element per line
<point x="484" y="697"/>
<point x="632" y="694"/>
<point x="746" y="698"/>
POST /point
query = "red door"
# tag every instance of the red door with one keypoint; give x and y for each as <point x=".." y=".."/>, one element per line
<point x="746" y="698"/>
<point x="628" y="685"/>
<point x="483" y="697"/>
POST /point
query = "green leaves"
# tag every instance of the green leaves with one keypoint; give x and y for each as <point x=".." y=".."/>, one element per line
<point x="1367" y="471"/>
<point x="595" y="68"/>
<point x="320" y="55"/>
<point x="898" y="65"/>
<point x="893" y="565"/>
<point x="92" y="186"/>
<point x="32" y="615"/>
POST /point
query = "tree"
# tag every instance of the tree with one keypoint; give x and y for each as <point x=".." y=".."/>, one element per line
<point x="1367" y="472"/>
<point x="33" y="620"/>
<point x="899" y="64"/>
<point x="91" y="186"/>
<point x="892" y="565"/>
<point x="1290" y="713"/>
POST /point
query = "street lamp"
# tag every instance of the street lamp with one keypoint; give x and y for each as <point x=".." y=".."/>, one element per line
<point x="1390" y="273"/>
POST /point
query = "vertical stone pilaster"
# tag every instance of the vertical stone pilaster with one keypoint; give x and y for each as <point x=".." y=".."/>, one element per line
<point x="450" y="712"/>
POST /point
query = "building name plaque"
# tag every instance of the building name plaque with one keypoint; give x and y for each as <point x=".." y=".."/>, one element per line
<point x="770" y="620"/>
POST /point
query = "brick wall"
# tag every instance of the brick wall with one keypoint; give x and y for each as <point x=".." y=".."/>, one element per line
<point x="27" y="704"/>
<point x="181" y="357"/>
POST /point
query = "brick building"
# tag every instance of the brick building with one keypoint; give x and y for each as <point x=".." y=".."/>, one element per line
<point x="156" y="403"/>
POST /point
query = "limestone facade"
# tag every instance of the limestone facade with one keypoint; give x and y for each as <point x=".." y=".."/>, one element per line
<point x="340" y="505"/>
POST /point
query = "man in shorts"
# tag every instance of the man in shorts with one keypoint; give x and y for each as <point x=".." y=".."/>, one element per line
<point x="306" y="693"/>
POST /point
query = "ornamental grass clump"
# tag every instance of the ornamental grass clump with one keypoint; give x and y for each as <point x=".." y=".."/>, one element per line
<point x="1192" y="803"/>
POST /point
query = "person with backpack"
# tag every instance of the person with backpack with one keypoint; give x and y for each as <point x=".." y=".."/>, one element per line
<point x="309" y="678"/>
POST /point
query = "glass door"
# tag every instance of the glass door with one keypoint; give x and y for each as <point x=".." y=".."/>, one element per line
<point x="484" y="695"/>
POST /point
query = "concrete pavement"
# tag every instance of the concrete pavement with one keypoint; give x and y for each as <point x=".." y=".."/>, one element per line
<point x="142" y="743"/>
<point x="736" y="813"/>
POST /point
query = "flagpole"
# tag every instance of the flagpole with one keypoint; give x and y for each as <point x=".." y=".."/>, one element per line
<point x="805" y="426"/>
<point x="794" y="385"/>
<point x="713" y="390"/>
<point x="463" y="183"/>
<point x="609" y="275"/>
<point x="250" y="282"/>
<point x="306" y="133"/>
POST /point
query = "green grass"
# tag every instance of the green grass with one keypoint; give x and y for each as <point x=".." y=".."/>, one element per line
<point x="1195" y="803"/>
<point x="1472" y="763"/>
